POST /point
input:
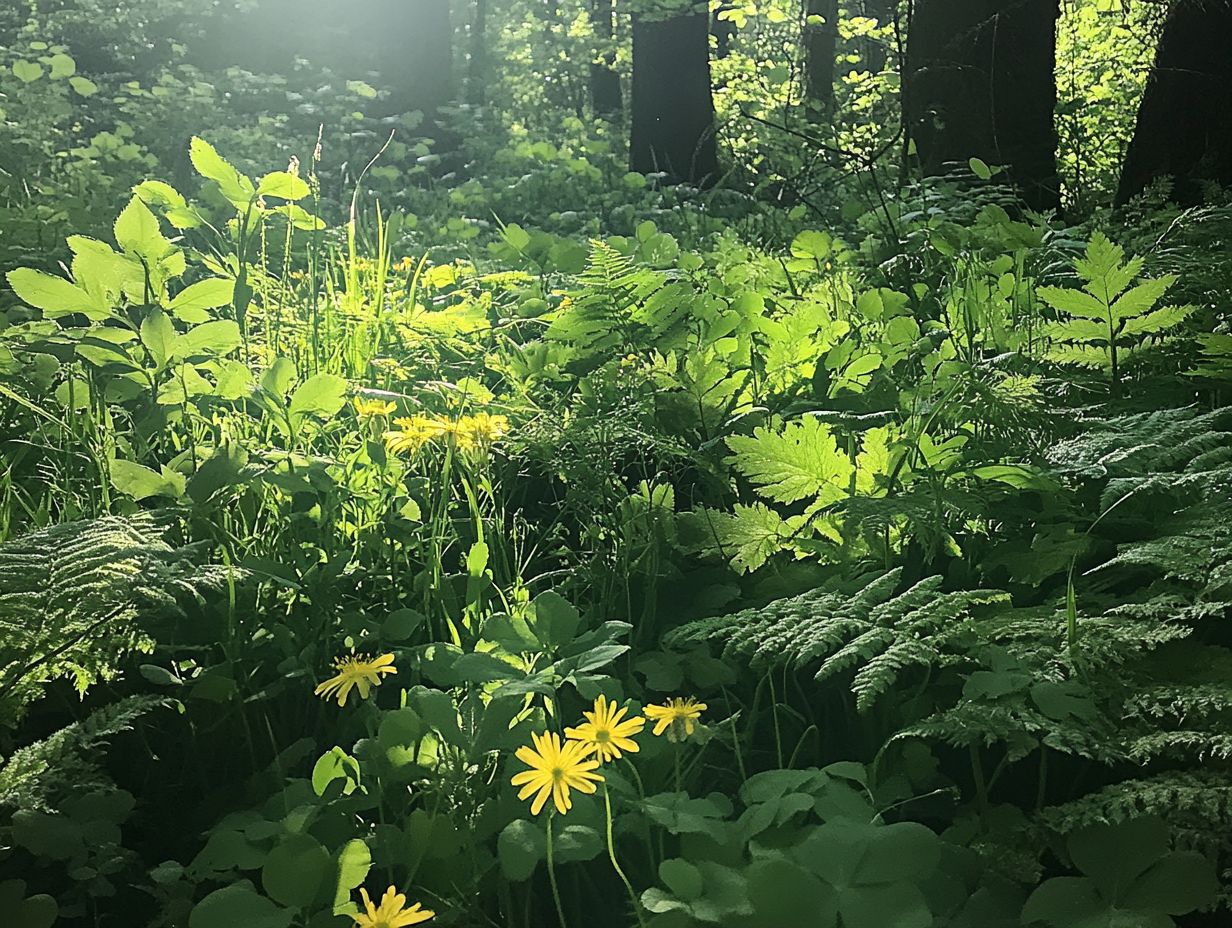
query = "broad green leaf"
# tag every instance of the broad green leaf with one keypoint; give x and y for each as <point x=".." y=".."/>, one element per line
<point x="237" y="188"/>
<point x="62" y="66"/>
<point x="282" y="184"/>
<point x="215" y="338"/>
<point x="519" y="848"/>
<point x="321" y="395"/>
<point x="140" y="482"/>
<point x="803" y="461"/>
<point x="354" y="861"/>
<point x="205" y="294"/>
<point x="237" y="905"/>
<point x="55" y="296"/>
<point x="296" y="871"/>
<point x="83" y="86"/>
<point x="980" y="169"/>
<point x="137" y="232"/>
<point x="27" y="71"/>
<point x="158" y="336"/>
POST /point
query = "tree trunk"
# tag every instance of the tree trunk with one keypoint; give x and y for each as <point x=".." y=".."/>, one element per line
<point x="477" y="76"/>
<point x="820" y="48"/>
<point x="673" y="111"/>
<point x="723" y="30"/>
<point x="1184" y="128"/>
<point x="605" y="95"/>
<point x="874" y="53"/>
<point x="980" y="84"/>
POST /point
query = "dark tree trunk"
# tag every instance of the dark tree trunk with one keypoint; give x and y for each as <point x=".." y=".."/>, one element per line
<point x="723" y="30"/>
<point x="1184" y="128"/>
<point x="605" y="94"/>
<point x="820" y="48"/>
<point x="874" y="53"/>
<point x="477" y="76"/>
<point x="673" y="111"/>
<point x="980" y="84"/>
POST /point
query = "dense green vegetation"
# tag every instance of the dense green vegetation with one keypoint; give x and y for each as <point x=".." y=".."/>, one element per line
<point x="411" y="514"/>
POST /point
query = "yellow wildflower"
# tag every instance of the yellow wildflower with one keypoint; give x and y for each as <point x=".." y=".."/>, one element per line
<point x="391" y="913"/>
<point x="678" y="717"/>
<point x="355" y="672"/>
<point x="479" y="431"/>
<point x="605" y="732"/>
<point x="413" y="432"/>
<point x="555" y="769"/>
<point x="372" y="409"/>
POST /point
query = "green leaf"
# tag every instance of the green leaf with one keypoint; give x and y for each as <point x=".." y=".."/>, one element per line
<point x="1177" y="885"/>
<point x="321" y="395"/>
<point x="335" y="764"/>
<point x="296" y="871"/>
<point x="682" y="878"/>
<point x="27" y="71"/>
<point x="212" y="339"/>
<point x="158" y="336"/>
<point x="141" y="483"/>
<point x="233" y="185"/>
<point x="55" y="296"/>
<point x="354" y="862"/>
<point x="137" y="232"/>
<point x="205" y="294"/>
<point x="236" y="905"/>
<point x="83" y="86"/>
<point x="802" y="461"/>
<point x="282" y="184"/>
<point x="980" y="169"/>
<point x="62" y="66"/>
<point x="1114" y="856"/>
<point x="1063" y="902"/>
<point x="811" y="244"/>
<point x="519" y="848"/>
<point x="556" y="620"/>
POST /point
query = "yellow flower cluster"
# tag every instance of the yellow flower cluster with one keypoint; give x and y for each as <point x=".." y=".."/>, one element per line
<point x="468" y="434"/>
<point x="555" y="768"/>
<point x="372" y="409"/>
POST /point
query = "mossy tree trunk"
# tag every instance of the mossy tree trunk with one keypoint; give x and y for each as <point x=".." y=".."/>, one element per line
<point x="980" y="83"/>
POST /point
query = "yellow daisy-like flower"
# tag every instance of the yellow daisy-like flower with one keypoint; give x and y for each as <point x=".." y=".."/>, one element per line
<point x="356" y="672"/>
<point x="678" y="717"/>
<point x="479" y="431"/>
<point x="372" y="409"/>
<point x="391" y="913"/>
<point x="414" y="432"/>
<point x="604" y="731"/>
<point x="555" y="769"/>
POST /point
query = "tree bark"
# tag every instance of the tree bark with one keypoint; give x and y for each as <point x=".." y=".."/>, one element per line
<point x="673" y="110"/>
<point x="723" y="30"/>
<point x="820" y="48"/>
<point x="1184" y="128"/>
<point x="606" y="97"/>
<point x="477" y="74"/>
<point x="980" y="83"/>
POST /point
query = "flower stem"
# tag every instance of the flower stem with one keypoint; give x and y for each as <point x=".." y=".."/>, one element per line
<point x="611" y="853"/>
<point x="560" y="909"/>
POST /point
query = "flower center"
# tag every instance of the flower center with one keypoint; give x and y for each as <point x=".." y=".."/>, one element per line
<point x="603" y="736"/>
<point x="558" y="774"/>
